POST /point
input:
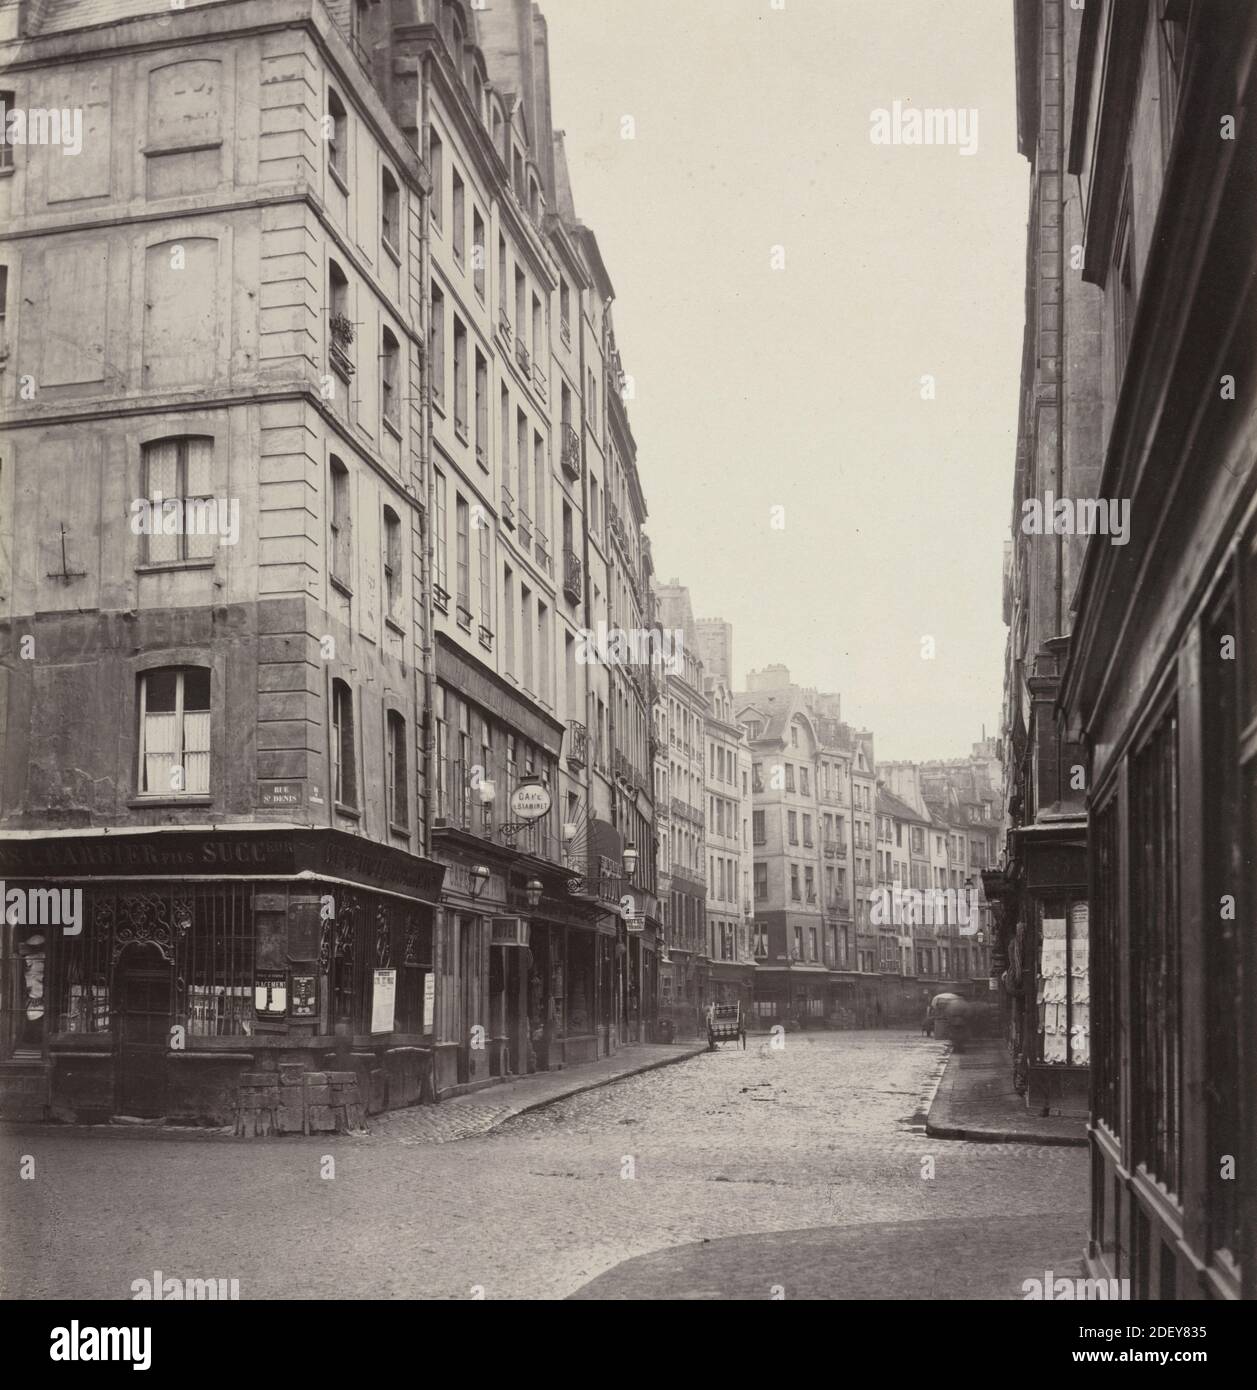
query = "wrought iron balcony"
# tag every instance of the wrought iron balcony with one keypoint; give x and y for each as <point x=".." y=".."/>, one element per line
<point x="504" y="326"/>
<point x="569" y="456"/>
<point x="539" y="380"/>
<point x="573" y="575"/>
<point x="522" y="357"/>
<point x="508" y="507"/>
<point x="577" y="744"/>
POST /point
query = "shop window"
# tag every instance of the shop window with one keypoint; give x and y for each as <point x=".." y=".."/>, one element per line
<point x="1156" y="1041"/>
<point x="1107" y="954"/>
<point x="174" y="735"/>
<point x="1226" y="1065"/>
<point x="204" y="933"/>
<point x="25" y="985"/>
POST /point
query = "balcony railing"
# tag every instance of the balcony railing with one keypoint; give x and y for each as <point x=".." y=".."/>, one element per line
<point x="504" y="326"/>
<point x="525" y="529"/>
<point x="569" y="455"/>
<point x="522" y="357"/>
<point x="577" y="744"/>
<point x="573" y="575"/>
<point x="565" y="332"/>
<point x="542" y="550"/>
<point x="508" y="507"/>
<point x="539" y="380"/>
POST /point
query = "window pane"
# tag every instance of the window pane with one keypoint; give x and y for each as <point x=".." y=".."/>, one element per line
<point x="200" y="467"/>
<point x="161" y="481"/>
<point x="196" y="688"/>
<point x="160" y="739"/>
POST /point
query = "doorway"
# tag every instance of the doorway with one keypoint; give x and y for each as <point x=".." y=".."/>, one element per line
<point x="142" y="987"/>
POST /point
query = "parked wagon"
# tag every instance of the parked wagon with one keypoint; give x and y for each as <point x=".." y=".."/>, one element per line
<point x="725" y="1024"/>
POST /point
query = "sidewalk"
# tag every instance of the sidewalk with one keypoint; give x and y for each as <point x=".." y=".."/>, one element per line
<point x="460" y="1117"/>
<point x="467" y="1116"/>
<point x="975" y="1100"/>
<point x="969" y="1257"/>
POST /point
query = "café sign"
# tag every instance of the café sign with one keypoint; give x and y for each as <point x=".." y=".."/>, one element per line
<point x="530" y="801"/>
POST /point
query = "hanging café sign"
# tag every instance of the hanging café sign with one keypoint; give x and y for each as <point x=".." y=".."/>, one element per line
<point x="530" y="801"/>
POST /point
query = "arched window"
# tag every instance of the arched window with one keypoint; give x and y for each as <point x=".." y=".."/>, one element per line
<point x="174" y="732"/>
<point x="182" y="521"/>
<point x="344" y="761"/>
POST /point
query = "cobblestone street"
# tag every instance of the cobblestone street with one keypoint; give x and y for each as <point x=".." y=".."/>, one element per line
<point x="823" y="1133"/>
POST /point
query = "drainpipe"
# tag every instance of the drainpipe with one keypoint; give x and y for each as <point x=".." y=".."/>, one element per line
<point x="427" y="650"/>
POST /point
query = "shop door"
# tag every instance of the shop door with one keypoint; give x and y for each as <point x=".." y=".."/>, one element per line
<point x="142" y="989"/>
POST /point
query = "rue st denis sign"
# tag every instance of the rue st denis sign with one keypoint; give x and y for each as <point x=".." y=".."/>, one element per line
<point x="530" y="801"/>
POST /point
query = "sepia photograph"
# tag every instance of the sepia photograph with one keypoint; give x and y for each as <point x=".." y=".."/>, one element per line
<point x="628" y="664"/>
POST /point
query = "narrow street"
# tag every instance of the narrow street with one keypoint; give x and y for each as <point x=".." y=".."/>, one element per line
<point x="822" y="1139"/>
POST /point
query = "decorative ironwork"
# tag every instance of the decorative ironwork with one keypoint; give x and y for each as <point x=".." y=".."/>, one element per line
<point x="383" y="955"/>
<point x="148" y="919"/>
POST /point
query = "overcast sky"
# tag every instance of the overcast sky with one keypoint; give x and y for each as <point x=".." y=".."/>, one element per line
<point x="801" y="388"/>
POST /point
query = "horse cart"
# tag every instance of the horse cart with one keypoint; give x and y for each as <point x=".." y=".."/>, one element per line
<point x="725" y="1024"/>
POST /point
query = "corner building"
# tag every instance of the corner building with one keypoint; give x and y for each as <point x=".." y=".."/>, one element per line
<point x="213" y="736"/>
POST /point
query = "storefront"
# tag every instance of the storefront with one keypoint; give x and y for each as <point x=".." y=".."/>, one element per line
<point x="1044" y="937"/>
<point x="196" y="963"/>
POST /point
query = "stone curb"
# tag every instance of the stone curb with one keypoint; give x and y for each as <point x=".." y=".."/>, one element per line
<point x="944" y="1128"/>
<point x="1004" y="1136"/>
<point x="596" y="1084"/>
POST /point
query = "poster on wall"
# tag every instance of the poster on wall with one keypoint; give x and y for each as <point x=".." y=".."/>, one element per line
<point x="302" y="1003"/>
<point x="429" y="1000"/>
<point x="383" y="996"/>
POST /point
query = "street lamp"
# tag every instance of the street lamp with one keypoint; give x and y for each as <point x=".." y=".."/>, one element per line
<point x="630" y="860"/>
<point x="532" y="891"/>
<point x="478" y="877"/>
